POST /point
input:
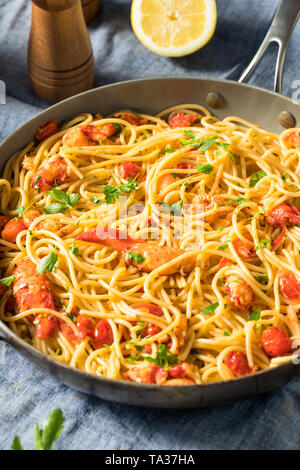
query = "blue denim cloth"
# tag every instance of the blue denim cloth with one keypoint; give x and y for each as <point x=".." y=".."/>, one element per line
<point x="27" y="394"/>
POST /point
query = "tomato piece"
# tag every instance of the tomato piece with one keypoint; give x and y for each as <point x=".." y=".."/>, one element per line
<point x="224" y="262"/>
<point x="289" y="286"/>
<point x="275" y="341"/>
<point x="3" y="221"/>
<point x="85" y="326"/>
<point x="102" y="334"/>
<point x="151" y="330"/>
<point x="46" y="327"/>
<point x="183" y="120"/>
<point x="165" y="181"/>
<point x="12" y="230"/>
<point x="237" y="362"/>
<point x="177" y="371"/>
<point x="130" y="170"/>
<point x="46" y="130"/>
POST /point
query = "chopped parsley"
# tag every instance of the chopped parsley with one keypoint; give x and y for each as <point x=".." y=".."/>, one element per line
<point x="264" y="243"/>
<point x="48" y="263"/>
<point x="237" y="201"/>
<point x="164" y="357"/>
<point x="36" y="184"/>
<point x="255" y="177"/>
<point x="112" y="193"/>
<point x="225" y="147"/>
<point x="118" y="127"/>
<point x="135" y="257"/>
<point x="210" y="309"/>
<point x="226" y="333"/>
<point x="74" y="249"/>
<point x="96" y="200"/>
<point x="174" y="209"/>
<point x="65" y="201"/>
<point x="255" y="316"/>
<point x="284" y="176"/>
<point x="72" y="317"/>
<point x="262" y="278"/>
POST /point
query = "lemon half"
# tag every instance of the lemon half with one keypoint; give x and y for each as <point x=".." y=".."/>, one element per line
<point x="174" y="28"/>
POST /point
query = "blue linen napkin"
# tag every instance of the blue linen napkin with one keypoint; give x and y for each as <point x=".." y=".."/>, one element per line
<point x="27" y="394"/>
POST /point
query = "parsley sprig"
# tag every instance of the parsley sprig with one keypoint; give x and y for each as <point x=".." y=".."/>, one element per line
<point x="48" y="263"/>
<point x="65" y="201"/>
<point x="45" y="437"/>
<point x="163" y="358"/>
<point x="112" y="193"/>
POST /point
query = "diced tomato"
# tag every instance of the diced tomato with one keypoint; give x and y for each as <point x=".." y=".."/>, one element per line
<point x="237" y="362"/>
<point x="12" y="230"/>
<point x="183" y="120"/>
<point x="85" y="326"/>
<point x="46" y="326"/>
<point x="130" y="170"/>
<point x="102" y="334"/>
<point x="275" y="341"/>
<point x="46" y="130"/>
<point x="289" y="286"/>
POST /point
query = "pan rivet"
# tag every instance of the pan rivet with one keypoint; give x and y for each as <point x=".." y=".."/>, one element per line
<point x="286" y="119"/>
<point x="214" y="99"/>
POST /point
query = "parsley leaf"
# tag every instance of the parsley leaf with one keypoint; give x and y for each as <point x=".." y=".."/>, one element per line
<point x="255" y="177"/>
<point x="135" y="257"/>
<point x="16" y="445"/>
<point x="262" y="278"/>
<point x="210" y="309"/>
<point x="255" y="316"/>
<point x="203" y="145"/>
<point x="36" y="184"/>
<point x="48" y="263"/>
<point x="284" y="176"/>
<point x="225" y="147"/>
<point x="226" y="333"/>
<point x="51" y="430"/>
<point x="205" y="168"/>
<point x="111" y="193"/>
<point x="118" y="127"/>
<point x="74" y="249"/>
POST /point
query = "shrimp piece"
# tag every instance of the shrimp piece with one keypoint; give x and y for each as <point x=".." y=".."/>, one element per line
<point x="146" y="373"/>
<point x="243" y="249"/>
<point x="46" y="130"/>
<point x="86" y="136"/>
<point x="183" y="120"/>
<point x="146" y="256"/>
<point x="292" y="139"/>
<point x="132" y="118"/>
<point x="284" y="214"/>
<point x="240" y="293"/>
<point x="27" y="162"/>
<point x="54" y="170"/>
<point x="30" y="289"/>
<point x="204" y="202"/>
<point x="33" y="290"/>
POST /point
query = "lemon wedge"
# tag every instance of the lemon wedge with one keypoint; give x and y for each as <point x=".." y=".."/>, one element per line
<point x="174" y="28"/>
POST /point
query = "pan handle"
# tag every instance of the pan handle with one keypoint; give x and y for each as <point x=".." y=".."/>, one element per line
<point x="280" y="31"/>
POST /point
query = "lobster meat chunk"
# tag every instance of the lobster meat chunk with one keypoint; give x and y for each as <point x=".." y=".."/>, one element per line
<point x="46" y="130"/>
<point x="88" y="135"/>
<point x="52" y="171"/>
<point x="284" y="214"/>
<point x="240" y="294"/>
<point x="146" y="256"/>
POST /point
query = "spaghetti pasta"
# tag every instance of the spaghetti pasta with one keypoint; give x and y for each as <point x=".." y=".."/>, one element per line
<point x="158" y="249"/>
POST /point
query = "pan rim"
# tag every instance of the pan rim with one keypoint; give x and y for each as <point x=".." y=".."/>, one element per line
<point x="12" y="338"/>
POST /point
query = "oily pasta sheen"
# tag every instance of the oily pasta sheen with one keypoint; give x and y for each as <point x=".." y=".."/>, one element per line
<point x="157" y="249"/>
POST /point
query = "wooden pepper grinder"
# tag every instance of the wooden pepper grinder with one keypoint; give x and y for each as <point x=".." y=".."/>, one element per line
<point x="90" y="9"/>
<point x="60" y="56"/>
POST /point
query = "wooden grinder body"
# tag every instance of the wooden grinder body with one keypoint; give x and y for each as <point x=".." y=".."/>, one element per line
<point x="60" y="57"/>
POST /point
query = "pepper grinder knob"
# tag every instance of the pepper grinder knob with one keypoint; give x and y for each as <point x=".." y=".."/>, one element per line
<point x="90" y="9"/>
<point x="60" y="56"/>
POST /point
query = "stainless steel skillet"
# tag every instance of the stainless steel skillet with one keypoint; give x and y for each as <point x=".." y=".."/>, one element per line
<point x="152" y="95"/>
